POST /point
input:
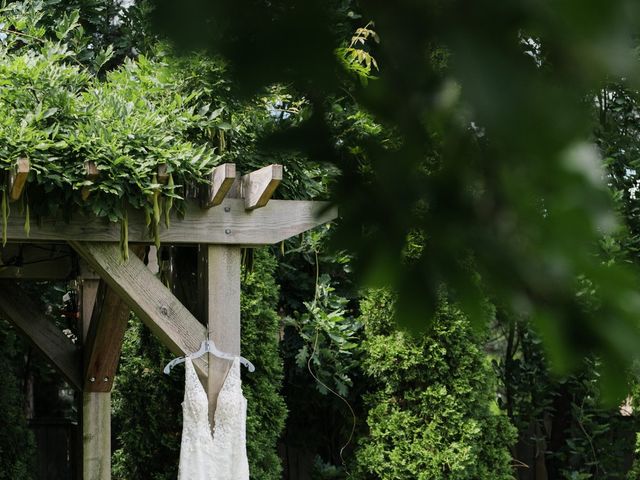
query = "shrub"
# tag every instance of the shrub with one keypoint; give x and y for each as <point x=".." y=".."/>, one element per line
<point x="266" y="410"/>
<point x="17" y="449"/>
<point x="432" y="411"/>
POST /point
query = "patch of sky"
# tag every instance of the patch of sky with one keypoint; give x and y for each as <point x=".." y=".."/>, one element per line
<point x="278" y="110"/>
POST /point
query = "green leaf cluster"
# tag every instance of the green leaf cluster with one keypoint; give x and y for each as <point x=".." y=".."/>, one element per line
<point x="331" y="339"/>
<point x="432" y="411"/>
<point x="59" y="114"/>
<point x="147" y="416"/>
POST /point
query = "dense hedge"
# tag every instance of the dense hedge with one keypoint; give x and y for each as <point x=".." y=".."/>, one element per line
<point x="147" y="413"/>
<point x="17" y="453"/>
<point x="147" y="404"/>
<point x="266" y="410"/>
<point x="431" y="415"/>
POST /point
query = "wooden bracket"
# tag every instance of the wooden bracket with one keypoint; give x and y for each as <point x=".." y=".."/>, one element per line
<point x="91" y="173"/>
<point x="18" y="178"/>
<point x="19" y="308"/>
<point x="258" y="186"/>
<point x="220" y="181"/>
<point x="154" y="304"/>
<point x="163" y="175"/>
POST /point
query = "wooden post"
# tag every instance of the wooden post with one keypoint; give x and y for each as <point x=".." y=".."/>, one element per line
<point x="96" y="410"/>
<point x="96" y="436"/>
<point x="223" y="312"/>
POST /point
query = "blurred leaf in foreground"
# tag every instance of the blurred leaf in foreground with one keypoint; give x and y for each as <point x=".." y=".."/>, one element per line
<point x="489" y="154"/>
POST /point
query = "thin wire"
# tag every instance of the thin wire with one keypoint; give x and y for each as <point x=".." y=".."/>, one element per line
<point x="313" y="352"/>
<point x="14" y="264"/>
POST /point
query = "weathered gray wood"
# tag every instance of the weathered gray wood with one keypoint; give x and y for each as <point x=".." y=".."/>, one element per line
<point x="96" y="406"/>
<point x="152" y="260"/>
<point x="221" y="180"/>
<point x="91" y="173"/>
<point x="96" y="435"/>
<point x="258" y="186"/>
<point x="89" y="293"/>
<point x="35" y="262"/>
<point x="18" y="178"/>
<point x="103" y="343"/>
<point x="20" y="309"/>
<point x="223" y="305"/>
<point x="104" y="340"/>
<point x="156" y="306"/>
<point x="228" y="224"/>
<point x="163" y="173"/>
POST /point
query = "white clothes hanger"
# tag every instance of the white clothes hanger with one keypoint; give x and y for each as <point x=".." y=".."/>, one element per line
<point x="208" y="346"/>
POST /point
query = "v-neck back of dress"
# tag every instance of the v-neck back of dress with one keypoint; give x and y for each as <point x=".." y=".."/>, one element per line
<point x="221" y="455"/>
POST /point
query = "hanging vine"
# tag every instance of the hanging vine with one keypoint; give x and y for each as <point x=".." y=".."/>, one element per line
<point x="60" y="114"/>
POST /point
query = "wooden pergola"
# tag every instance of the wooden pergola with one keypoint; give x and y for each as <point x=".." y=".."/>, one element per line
<point x="232" y="212"/>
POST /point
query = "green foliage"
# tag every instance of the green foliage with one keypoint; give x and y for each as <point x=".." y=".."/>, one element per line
<point x="266" y="410"/>
<point x="432" y="410"/>
<point x="561" y="420"/>
<point x="147" y="415"/>
<point x="17" y="449"/>
<point x="92" y="28"/>
<point x="321" y="351"/>
<point x="634" y="472"/>
<point x="59" y="114"/>
<point x="330" y="339"/>
<point x="493" y="158"/>
<point x="355" y="57"/>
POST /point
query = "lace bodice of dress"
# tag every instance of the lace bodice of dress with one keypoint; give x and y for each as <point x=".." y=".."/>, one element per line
<point x="229" y="431"/>
<point x="223" y="455"/>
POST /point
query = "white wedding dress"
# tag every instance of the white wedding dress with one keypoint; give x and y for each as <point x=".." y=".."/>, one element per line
<point x="223" y="455"/>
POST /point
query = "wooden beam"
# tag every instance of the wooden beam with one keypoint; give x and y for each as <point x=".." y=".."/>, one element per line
<point x="104" y="340"/>
<point x="154" y="304"/>
<point x="20" y="309"/>
<point x="230" y="225"/>
<point x="18" y="178"/>
<point x="91" y="173"/>
<point x="221" y="180"/>
<point x="258" y="186"/>
<point x="223" y="265"/>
